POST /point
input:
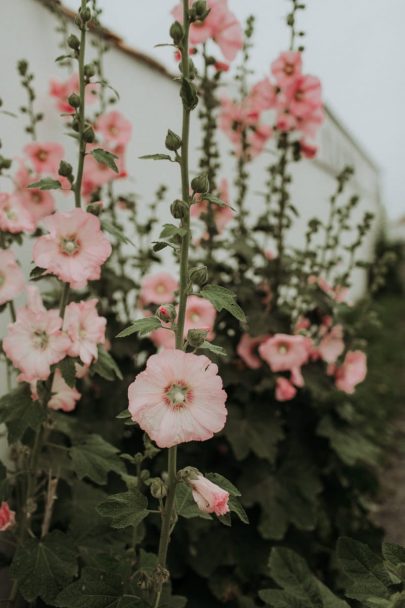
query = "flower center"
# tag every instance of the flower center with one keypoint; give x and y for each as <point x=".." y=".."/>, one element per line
<point x="2" y="279"/>
<point x="283" y="349"/>
<point x="113" y="130"/>
<point x="160" y="288"/>
<point x="69" y="245"/>
<point x="42" y="155"/>
<point x="10" y="215"/>
<point x="177" y="395"/>
<point x="289" y="69"/>
<point x="40" y="339"/>
<point x="37" y="196"/>
<point x="299" y="95"/>
<point x="194" y="317"/>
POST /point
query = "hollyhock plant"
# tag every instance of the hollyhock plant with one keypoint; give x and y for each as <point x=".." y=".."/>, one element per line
<point x="283" y="352"/>
<point x="114" y="127"/>
<point x="14" y="216"/>
<point x="64" y="397"/>
<point x="35" y="341"/>
<point x="85" y="328"/>
<point x="75" y="248"/>
<point x="45" y="157"/>
<point x="351" y="372"/>
<point x="220" y="25"/>
<point x="7" y="517"/>
<point x="178" y="398"/>
<point x="247" y="350"/>
<point x="158" y="288"/>
<point x="11" y="277"/>
<point x="210" y="498"/>
<point x="285" y="390"/>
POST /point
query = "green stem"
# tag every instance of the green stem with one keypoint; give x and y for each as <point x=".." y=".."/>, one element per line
<point x="82" y="142"/>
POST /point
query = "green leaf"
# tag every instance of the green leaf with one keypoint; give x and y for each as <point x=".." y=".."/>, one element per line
<point x="125" y="509"/>
<point x="37" y="273"/>
<point x="46" y="183"/>
<point x="349" y="444"/>
<point x="213" y="348"/>
<point x="95" y="458"/>
<point x="19" y="412"/>
<point x="236" y="507"/>
<point x="124" y="415"/>
<point x="68" y="371"/>
<point x="43" y="568"/>
<point x="185" y="504"/>
<point x="395" y="554"/>
<point x="156" y="157"/>
<point x="141" y="326"/>
<point x="4" y="489"/>
<point x="364" y="569"/>
<point x="214" y="199"/>
<point x="223" y="298"/>
<point x="105" y="366"/>
<point x="171" y="231"/>
<point x="119" y="234"/>
<point x="105" y="158"/>
<point x="97" y="589"/>
<point x="223" y="483"/>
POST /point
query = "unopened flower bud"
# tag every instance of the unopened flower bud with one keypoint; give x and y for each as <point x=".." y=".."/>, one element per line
<point x="173" y="141"/>
<point x="95" y="208"/>
<point x="200" y="8"/>
<point x="178" y="209"/>
<point x="89" y="70"/>
<point x="188" y="473"/>
<point x="166" y="313"/>
<point x="22" y="67"/>
<point x="176" y="33"/>
<point x="200" y="184"/>
<point x="138" y="458"/>
<point x="85" y="14"/>
<point x="73" y="42"/>
<point x="158" y="488"/>
<point x="65" y="169"/>
<point x="199" y="275"/>
<point x="74" y="100"/>
<point x="88" y="134"/>
<point x="144" y="475"/>
<point x="196" y="337"/>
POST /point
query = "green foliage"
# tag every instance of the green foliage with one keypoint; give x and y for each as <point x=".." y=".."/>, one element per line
<point x="126" y="509"/>
<point x="105" y="158"/>
<point x="223" y="299"/>
<point x="20" y="413"/>
<point x="141" y="326"/>
<point x="94" y="458"/>
<point x="106" y="367"/>
<point x="46" y="183"/>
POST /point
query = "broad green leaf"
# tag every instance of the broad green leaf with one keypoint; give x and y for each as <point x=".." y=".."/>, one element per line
<point x="105" y="158"/>
<point x="213" y="348"/>
<point x="141" y="326"/>
<point x="156" y="157"/>
<point x="105" y="366"/>
<point x="68" y="371"/>
<point x="280" y="599"/>
<point x="170" y="231"/>
<point x="223" y="299"/>
<point x="350" y="445"/>
<point x="95" y="458"/>
<point x="236" y="507"/>
<point x="43" y="568"/>
<point x="125" y="509"/>
<point x="394" y="554"/>
<point x="46" y="183"/>
<point x="214" y="199"/>
<point x="19" y="412"/>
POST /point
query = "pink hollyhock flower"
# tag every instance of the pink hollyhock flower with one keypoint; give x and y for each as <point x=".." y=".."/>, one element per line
<point x="85" y="329"/>
<point x="35" y="341"/>
<point x="39" y="203"/>
<point x="258" y="138"/>
<point x="221" y="25"/>
<point x="158" y="288"/>
<point x="45" y="157"/>
<point x="11" y="277"/>
<point x="61" y="91"/>
<point x="98" y="174"/>
<point x="308" y="150"/>
<point x="222" y="215"/>
<point x="178" y="398"/>
<point x="115" y="128"/>
<point x="7" y="517"/>
<point x="285" y="391"/>
<point x="234" y="119"/>
<point x="75" y="248"/>
<point x="332" y="345"/>
<point x="287" y="67"/>
<point x="14" y="217"/>
<point x="353" y="371"/>
<point x="304" y="95"/>
<point x="310" y="123"/>
<point x="263" y="96"/>
<point x="247" y="350"/>
<point x="283" y="352"/>
<point x="209" y="497"/>
<point x="64" y="397"/>
<point x="286" y="122"/>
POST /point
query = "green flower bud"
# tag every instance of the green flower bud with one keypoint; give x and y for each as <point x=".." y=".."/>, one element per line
<point x="88" y="134"/>
<point x="65" y="169"/>
<point x="144" y="475"/>
<point x="74" y="100"/>
<point x="173" y="141"/>
<point x="85" y="14"/>
<point x="138" y="458"/>
<point x="73" y="42"/>
<point x="195" y="337"/>
<point x="200" y="184"/>
<point x="176" y="33"/>
<point x="187" y="473"/>
<point x="89" y="70"/>
<point x="178" y="209"/>
<point x="158" y="488"/>
<point x="166" y="313"/>
<point x="199" y="275"/>
<point x="22" y="67"/>
<point x="95" y="208"/>
<point x="200" y="8"/>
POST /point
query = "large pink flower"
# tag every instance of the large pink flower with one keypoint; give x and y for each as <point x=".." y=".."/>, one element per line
<point x="115" y="128"/>
<point x="7" y="517"/>
<point x="263" y="96"/>
<point x="158" y="288"/>
<point x="332" y="345"/>
<point x="35" y="341"/>
<point x="75" y="248"/>
<point x="61" y="91"/>
<point x="14" y="217"/>
<point x="64" y="397"/>
<point x="209" y="497"/>
<point x="283" y="352"/>
<point x="85" y="329"/>
<point x="352" y="371"/>
<point x="304" y="95"/>
<point x="178" y="398"/>
<point x="39" y="203"/>
<point x="221" y="25"/>
<point x="247" y="350"/>
<point x="287" y="67"/>
<point x="11" y="277"/>
<point x="45" y="157"/>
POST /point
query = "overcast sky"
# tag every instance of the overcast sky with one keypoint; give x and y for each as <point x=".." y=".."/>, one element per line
<point x="356" y="47"/>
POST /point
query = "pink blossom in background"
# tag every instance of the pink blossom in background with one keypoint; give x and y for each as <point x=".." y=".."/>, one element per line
<point x="222" y="215"/>
<point x="7" y="517"/>
<point x="11" y="277"/>
<point x="114" y="127"/>
<point x="247" y="350"/>
<point x="263" y="96"/>
<point x="64" y="397"/>
<point x="158" y="288"/>
<point x="35" y="341"/>
<point x="98" y="174"/>
<point x="61" y="91"/>
<point x="210" y="498"/>
<point x="178" y="398"/>
<point x="85" y="328"/>
<point x="304" y="95"/>
<point x="45" y="157"/>
<point x="308" y="150"/>
<point x="285" y="391"/>
<point x="75" y="248"/>
<point x="14" y="217"/>
<point x="332" y="345"/>
<point x="352" y="372"/>
<point x="258" y="138"/>
<point x="286" y="122"/>
<point x="39" y="203"/>
<point x="283" y="352"/>
<point x="221" y="25"/>
<point x="234" y="119"/>
<point x="287" y="67"/>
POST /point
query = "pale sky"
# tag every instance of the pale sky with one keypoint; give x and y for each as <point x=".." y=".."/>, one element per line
<point x="356" y="47"/>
